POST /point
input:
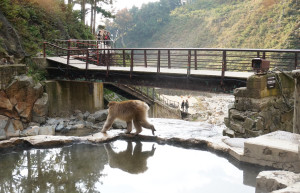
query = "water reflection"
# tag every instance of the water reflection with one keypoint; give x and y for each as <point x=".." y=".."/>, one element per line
<point x="122" y="167"/>
<point x="129" y="160"/>
<point x="70" y="169"/>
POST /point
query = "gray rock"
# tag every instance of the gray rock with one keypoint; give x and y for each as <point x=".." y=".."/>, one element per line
<point x="85" y="115"/>
<point x="59" y="127"/>
<point x="11" y="132"/>
<point x="77" y="126"/>
<point x="2" y="134"/>
<point x="47" y="130"/>
<point x="40" y="109"/>
<point x="91" y="119"/>
<point x="30" y="131"/>
<point x="88" y="124"/>
<point x="268" y="181"/>
<point x="3" y="122"/>
<point x="100" y="115"/>
<point x="118" y="124"/>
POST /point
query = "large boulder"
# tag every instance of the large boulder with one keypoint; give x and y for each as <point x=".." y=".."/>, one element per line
<point x="23" y="92"/>
<point x="277" y="181"/>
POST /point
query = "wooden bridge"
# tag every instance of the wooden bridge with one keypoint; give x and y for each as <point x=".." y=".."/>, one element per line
<point x="204" y="69"/>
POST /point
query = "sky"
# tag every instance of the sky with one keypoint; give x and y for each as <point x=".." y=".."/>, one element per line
<point x="120" y="4"/>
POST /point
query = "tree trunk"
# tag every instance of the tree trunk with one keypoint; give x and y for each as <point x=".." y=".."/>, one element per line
<point x="92" y="15"/>
<point x="83" y="2"/>
<point x="95" y="15"/>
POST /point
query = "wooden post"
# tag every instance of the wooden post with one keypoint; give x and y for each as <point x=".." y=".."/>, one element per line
<point x="264" y="55"/>
<point x="224" y="66"/>
<point x="131" y="64"/>
<point x="124" y="63"/>
<point x="107" y="63"/>
<point x="44" y="49"/>
<point x="158" y="61"/>
<point x="169" y="59"/>
<point x="196" y="62"/>
<point x="296" y="121"/>
<point x="87" y="64"/>
<point x="68" y="58"/>
<point x="189" y="63"/>
<point x="296" y="60"/>
<point x="145" y="58"/>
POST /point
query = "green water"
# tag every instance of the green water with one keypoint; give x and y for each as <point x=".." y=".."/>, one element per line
<point x="122" y="166"/>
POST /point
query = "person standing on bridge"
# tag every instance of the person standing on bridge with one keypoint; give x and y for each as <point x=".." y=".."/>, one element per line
<point x="182" y="105"/>
<point x="186" y="105"/>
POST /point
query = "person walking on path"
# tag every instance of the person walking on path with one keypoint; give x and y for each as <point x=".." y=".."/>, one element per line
<point x="182" y="105"/>
<point x="186" y="105"/>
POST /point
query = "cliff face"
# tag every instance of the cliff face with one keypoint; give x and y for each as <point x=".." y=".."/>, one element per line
<point x="9" y="39"/>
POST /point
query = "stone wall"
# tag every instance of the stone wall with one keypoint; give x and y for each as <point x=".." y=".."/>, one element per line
<point x="259" y="110"/>
<point x="7" y="72"/>
<point x="67" y="96"/>
<point x="158" y="110"/>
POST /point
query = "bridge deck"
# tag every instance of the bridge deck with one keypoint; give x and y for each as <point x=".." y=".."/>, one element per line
<point x="82" y="65"/>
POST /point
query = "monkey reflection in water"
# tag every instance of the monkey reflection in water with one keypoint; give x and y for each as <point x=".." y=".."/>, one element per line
<point x="130" y="111"/>
<point x="131" y="161"/>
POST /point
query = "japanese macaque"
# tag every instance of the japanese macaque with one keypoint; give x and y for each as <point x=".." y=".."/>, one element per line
<point x="131" y="160"/>
<point x="130" y="111"/>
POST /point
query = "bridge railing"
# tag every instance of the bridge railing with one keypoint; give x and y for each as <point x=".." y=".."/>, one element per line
<point x="184" y="59"/>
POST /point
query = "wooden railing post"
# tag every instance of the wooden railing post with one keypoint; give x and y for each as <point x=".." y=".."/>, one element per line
<point x="44" y="49"/>
<point x="224" y="66"/>
<point x="131" y="63"/>
<point x="124" y="63"/>
<point x="189" y="63"/>
<point x="86" y="64"/>
<point x="158" y="61"/>
<point x="68" y="58"/>
<point x="296" y="60"/>
<point x="145" y="58"/>
<point x="264" y="55"/>
<point x="196" y="61"/>
<point x="107" y="63"/>
<point x="169" y="59"/>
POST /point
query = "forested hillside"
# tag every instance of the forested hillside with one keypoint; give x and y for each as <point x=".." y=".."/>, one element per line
<point x="215" y="23"/>
<point x="26" y="24"/>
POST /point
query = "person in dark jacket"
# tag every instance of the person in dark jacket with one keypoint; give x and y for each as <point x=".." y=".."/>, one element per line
<point x="182" y="105"/>
<point x="186" y="105"/>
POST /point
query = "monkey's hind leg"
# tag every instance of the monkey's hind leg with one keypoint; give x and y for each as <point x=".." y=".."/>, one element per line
<point x="147" y="125"/>
<point x="129" y="127"/>
<point x="138" y="127"/>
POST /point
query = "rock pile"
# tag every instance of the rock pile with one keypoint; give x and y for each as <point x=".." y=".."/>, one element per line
<point x="21" y="102"/>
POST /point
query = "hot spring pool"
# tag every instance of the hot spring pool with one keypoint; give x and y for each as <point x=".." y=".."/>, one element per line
<point x="123" y="166"/>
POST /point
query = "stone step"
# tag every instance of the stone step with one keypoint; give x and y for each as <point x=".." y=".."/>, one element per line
<point x="278" y="149"/>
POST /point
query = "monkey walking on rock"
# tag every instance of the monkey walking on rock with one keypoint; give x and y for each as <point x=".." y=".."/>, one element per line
<point x="130" y="111"/>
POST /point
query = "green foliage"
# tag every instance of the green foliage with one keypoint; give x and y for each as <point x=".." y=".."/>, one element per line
<point x="34" y="71"/>
<point x="272" y="24"/>
<point x="43" y="20"/>
<point x="136" y="25"/>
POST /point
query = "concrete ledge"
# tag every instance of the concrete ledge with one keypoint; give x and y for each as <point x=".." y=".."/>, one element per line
<point x="278" y="149"/>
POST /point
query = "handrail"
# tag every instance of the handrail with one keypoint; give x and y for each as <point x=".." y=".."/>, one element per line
<point x="220" y="59"/>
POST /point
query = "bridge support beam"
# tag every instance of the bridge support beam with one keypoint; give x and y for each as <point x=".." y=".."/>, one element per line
<point x="296" y="128"/>
<point x="67" y="96"/>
